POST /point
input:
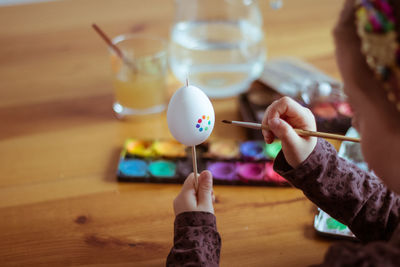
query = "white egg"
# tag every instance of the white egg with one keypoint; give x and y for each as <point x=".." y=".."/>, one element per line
<point x="190" y="116"/>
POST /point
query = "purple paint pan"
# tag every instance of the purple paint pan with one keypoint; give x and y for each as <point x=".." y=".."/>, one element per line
<point x="222" y="170"/>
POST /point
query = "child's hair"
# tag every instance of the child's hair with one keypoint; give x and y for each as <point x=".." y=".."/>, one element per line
<point x="377" y="24"/>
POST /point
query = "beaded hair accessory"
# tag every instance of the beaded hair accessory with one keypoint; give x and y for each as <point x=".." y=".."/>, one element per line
<point x="375" y="22"/>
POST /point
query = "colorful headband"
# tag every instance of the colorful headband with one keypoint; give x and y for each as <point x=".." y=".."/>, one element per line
<point x="376" y="26"/>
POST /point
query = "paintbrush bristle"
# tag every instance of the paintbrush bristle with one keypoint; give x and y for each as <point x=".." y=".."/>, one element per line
<point x="225" y="121"/>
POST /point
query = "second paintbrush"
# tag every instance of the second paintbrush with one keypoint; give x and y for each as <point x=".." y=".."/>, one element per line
<point x="300" y="132"/>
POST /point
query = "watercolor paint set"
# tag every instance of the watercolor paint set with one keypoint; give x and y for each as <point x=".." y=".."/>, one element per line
<point x="327" y="226"/>
<point x="307" y="85"/>
<point x="230" y="162"/>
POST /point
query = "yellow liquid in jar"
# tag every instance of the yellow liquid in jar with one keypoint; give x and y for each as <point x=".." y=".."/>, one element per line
<point x="139" y="89"/>
<point x="140" y="92"/>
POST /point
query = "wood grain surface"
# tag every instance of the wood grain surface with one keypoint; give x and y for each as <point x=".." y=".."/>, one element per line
<point x="60" y="203"/>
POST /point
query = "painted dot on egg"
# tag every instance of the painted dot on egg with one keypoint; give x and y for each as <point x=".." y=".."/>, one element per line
<point x="203" y="124"/>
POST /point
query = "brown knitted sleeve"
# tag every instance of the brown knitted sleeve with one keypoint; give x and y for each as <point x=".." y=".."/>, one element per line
<point x="196" y="240"/>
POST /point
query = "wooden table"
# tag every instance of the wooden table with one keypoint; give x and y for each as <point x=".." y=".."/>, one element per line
<point x="60" y="203"/>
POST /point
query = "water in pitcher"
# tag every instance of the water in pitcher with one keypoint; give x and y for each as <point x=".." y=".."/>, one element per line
<point x="221" y="57"/>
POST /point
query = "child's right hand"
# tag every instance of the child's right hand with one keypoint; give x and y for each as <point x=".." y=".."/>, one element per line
<point x="281" y="117"/>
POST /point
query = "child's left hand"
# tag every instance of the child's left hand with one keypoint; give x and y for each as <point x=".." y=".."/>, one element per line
<point x="188" y="200"/>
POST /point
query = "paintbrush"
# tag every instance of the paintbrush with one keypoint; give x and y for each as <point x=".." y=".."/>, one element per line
<point x="300" y="132"/>
<point x="115" y="48"/>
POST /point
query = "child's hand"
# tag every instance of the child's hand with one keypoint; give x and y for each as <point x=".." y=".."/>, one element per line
<point x="187" y="200"/>
<point x="281" y="117"/>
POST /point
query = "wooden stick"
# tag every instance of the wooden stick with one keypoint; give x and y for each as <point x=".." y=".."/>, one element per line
<point x="300" y="132"/>
<point x="194" y="161"/>
<point x="113" y="46"/>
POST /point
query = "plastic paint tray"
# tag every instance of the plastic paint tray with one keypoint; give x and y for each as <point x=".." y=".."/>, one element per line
<point x="231" y="162"/>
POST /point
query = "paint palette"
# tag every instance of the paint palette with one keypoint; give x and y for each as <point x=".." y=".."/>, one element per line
<point x="327" y="226"/>
<point x="230" y="162"/>
<point x="304" y="83"/>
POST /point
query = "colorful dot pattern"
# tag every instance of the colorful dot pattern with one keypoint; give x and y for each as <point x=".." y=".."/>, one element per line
<point x="203" y="123"/>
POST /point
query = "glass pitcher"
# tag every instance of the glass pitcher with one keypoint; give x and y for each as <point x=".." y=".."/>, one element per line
<point x="218" y="45"/>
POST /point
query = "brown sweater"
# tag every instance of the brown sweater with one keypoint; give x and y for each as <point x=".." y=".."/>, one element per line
<point x="196" y="240"/>
<point x="349" y="194"/>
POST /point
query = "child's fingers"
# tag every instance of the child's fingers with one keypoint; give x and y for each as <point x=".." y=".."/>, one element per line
<point x="268" y="136"/>
<point x="204" y="193"/>
<point x="265" y="117"/>
<point x="281" y="117"/>
<point x="292" y="112"/>
<point x="189" y="183"/>
<point x="186" y="199"/>
<point x="284" y="132"/>
<point x="190" y="200"/>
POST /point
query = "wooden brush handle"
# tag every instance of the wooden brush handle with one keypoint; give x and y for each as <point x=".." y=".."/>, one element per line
<point x="324" y="135"/>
